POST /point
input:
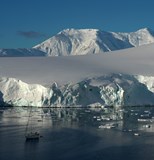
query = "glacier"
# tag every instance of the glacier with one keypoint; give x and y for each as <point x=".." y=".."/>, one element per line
<point x="107" y="90"/>
<point x="17" y="93"/>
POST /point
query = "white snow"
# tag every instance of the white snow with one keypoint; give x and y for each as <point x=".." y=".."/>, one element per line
<point x="83" y="41"/>
<point x="114" y="89"/>
<point x="147" y="80"/>
<point x="93" y="41"/>
<point x="18" y="93"/>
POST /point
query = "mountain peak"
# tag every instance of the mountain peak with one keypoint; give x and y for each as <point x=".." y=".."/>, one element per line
<point x="84" y="41"/>
<point x="148" y="30"/>
<point x="79" y="30"/>
<point x="73" y="31"/>
<point x="91" y="41"/>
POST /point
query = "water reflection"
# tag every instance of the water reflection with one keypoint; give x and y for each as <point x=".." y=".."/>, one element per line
<point x="128" y="119"/>
<point x="31" y="145"/>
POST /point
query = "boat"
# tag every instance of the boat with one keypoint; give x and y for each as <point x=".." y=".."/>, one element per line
<point x="31" y="132"/>
<point x="32" y="136"/>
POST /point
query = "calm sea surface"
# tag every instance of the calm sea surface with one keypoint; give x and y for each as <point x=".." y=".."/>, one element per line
<point x="75" y="135"/>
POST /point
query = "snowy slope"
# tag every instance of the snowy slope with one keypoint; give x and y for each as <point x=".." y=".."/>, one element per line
<point x="82" y="42"/>
<point x="80" y="80"/>
<point x="113" y="89"/>
<point x="21" y="52"/>
<point x="18" y="93"/>
<point x="92" y="41"/>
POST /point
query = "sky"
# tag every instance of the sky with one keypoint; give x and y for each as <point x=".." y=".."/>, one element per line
<point x="26" y="23"/>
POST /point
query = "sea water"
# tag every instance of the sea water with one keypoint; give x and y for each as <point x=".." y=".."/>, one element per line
<point x="74" y="134"/>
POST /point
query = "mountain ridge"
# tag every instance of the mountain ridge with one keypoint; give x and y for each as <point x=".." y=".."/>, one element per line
<point x="84" y="41"/>
<point x="92" y="41"/>
<point x="21" y="52"/>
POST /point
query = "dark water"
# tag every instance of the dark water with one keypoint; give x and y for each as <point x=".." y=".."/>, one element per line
<point x="70" y="135"/>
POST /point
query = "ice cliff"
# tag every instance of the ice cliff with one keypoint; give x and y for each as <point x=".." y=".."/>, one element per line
<point x="108" y="90"/>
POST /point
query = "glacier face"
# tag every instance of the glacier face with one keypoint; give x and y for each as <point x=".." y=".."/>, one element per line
<point x="17" y="93"/>
<point x="108" y="90"/>
<point x="92" y="41"/>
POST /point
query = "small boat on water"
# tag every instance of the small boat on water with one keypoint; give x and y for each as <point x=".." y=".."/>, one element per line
<point x="32" y="136"/>
<point x="31" y="132"/>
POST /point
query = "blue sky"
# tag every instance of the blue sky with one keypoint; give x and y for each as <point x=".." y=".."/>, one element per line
<point x="25" y="23"/>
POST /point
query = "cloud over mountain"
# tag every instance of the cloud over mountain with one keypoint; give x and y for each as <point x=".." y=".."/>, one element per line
<point x="30" y="34"/>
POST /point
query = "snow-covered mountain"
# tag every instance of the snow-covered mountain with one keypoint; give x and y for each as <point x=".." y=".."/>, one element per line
<point x="92" y="41"/>
<point x="82" y="42"/>
<point x="21" y="52"/>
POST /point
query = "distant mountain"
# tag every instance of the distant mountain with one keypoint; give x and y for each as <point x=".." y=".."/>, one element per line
<point x="21" y="52"/>
<point x="92" y="41"/>
<point x="82" y="42"/>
